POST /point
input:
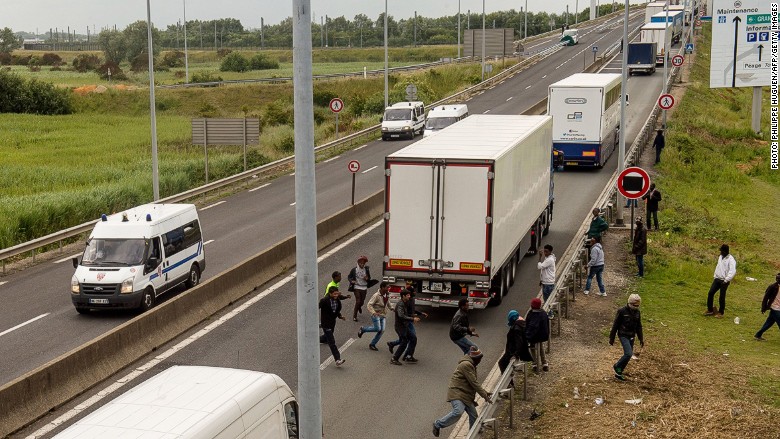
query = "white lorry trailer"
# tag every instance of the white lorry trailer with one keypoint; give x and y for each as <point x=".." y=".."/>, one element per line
<point x="458" y="206"/>
<point x="659" y="33"/>
<point x="653" y="8"/>
<point x="675" y="18"/>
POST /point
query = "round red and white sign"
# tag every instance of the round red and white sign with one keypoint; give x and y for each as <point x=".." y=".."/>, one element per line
<point x="336" y="105"/>
<point x="677" y="60"/>
<point x="666" y="101"/>
<point x="353" y="166"/>
<point x="633" y="182"/>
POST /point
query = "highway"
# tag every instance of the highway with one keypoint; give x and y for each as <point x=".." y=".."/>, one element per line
<point x="367" y="394"/>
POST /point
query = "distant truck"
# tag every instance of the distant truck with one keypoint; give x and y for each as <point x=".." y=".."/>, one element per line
<point x="659" y="33"/>
<point x="641" y="57"/>
<point x="460" y="205"/>
<point x="686" y="11"/>
<point x="676" y="19"/>
<point x="585" y="108"/>
<point x="653" y="8"/>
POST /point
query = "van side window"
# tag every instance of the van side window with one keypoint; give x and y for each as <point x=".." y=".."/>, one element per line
<point x="181" y="238"/>
<point x="291" y="416"/>
<point x="192" y="234"/>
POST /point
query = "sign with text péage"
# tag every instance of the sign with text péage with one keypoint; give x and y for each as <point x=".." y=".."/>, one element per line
<point x="741" y="43"/>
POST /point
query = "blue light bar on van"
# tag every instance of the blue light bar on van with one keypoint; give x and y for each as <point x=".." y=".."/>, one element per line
<point x="148" y="217"/>
<point x="103" y="217"/>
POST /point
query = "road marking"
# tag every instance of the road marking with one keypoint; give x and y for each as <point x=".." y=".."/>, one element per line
<point x="212" y="205"/>
<point x="293" y="203"/>
<point x="544" y="76"/>
<point x="208" y="242"/>
<point x="528" y="87"/>
<point x="260" y="187"/>
<point x="509" y="98"/>
<point x="486" y="112"/>
<point x="121" y="382"/>
<point x="369" y="169"/>
<point x="66" y="259"/>
<point x="343" y="348"/>
<point x="361" y="147"/>
<point x="331" y="159"/>
<point x="23" y="324"/>
<point x="292" y="174"/>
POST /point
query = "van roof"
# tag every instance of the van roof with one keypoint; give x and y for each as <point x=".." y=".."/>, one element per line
<point x="477" y="137"/>
<point x="136" y="224"/>
<point x="407" y="104"/>
<point x="447" y="110"/>
<point x="179" y="402"/>
<point x="656" y="25"/>
<point x="588" y="80"/>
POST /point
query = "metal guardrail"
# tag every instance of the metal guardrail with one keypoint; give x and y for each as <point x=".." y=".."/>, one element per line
<point x="502" y="390"/>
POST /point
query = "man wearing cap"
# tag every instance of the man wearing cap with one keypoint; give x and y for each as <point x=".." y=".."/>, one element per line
<point x="627" y="326"/>
<point x="462" y="390"/>
<point x="537" y="331"/>
<point x="359" y="278"/>
<point x="516" y="344"/>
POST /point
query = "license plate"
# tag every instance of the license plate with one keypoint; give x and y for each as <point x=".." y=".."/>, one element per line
<point x="395" y="135"/>
<point x="436" y="286"/>
<point x="99" y="301"/>
<point x="571" y="163"/>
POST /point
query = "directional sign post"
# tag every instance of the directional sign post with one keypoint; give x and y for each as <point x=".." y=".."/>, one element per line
<point x="336" y="105"/>
<point x="689" y="47"/>
<point x="411" y="92"/>
<point x="354" y="167"/>
<point x="678" y="60"/>
<point x="633" y="183"/>
<point x="666" y="101"/>
<point x="595" y="50"/>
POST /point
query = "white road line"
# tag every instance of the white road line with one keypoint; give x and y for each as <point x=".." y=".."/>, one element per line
<point x="292" y="173"/>
<point x="23" y="324"/>
<point x="528" y="87"/>
<point x="361" y="147"/>
<point x="544" y="76"/>
<point x="369" y="169"/>
<point x="121" y="382"/>
<point x="212" y="205"/>
<point x="208" y="242"/>
<point x="331" y="159"/>
<point x="260" y="187"/>
<point x="486" y="112"/>
<point x="66" y="259"/>
<point x="293" y="203"/>
<point x="509" y="98"/>
<point x="343" y="348"/>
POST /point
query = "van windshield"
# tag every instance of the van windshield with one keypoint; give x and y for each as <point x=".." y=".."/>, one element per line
<point x="399" y="114"/>
<point x="102" y="252"/>
<point x="437" y="123"/>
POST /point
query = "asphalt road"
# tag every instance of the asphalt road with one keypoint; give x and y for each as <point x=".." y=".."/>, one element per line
<point x="368" y="396"/>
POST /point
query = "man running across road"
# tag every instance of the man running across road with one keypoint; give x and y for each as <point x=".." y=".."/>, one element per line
<point x="461" y="391"/>
<point x="378" y="306"/>
<point x="330" y="310"/>
<point x="460" y="328"/>
<point x="402" y="321"/>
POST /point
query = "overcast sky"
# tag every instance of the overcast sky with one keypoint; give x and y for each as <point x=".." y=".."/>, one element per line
<point x="27" y="15"/>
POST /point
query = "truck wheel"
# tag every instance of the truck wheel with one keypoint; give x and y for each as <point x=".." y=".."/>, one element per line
<point x="193" y="278"/>
<point x="495" y="296"/>
<point x="147" y="301"/>
<point x="512" y="271"/>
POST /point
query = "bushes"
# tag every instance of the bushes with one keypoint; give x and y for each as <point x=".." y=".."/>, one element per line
<point x="51" y="59"/>
<point x="234" y="62"/>
<point x="116" y="71"/>
<point x="205" y="77"/>
<point x="279" y="112"/>
<point x="221" y="53"/>
<point x="85" y="62"/>
<point x="5" y="58"/>
<point x="20" y="96"/>
<point x="173" y="59"/>
<point x="261" y="62"/>
<point x="323" y="96"/>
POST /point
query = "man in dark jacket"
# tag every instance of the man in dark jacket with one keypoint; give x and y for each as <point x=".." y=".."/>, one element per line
<point x="627" y="325"/>
<point x="639" y="248"/>
<point x="770" y="303"/>
<point x="598" y="225"/>
<point x="462" y="390"/>
<point x="330" y="310"/>
<point x="537" y="331"/>
<point x="460" y="328"/>
<point x="402" y="321"/>
<point x="411" y="333"/>
<point x="516" y="344"/>
<point x="659" y="144"/>
<point x="653" y="196"/>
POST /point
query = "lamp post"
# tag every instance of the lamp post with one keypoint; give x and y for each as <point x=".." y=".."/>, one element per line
<point x="155" y="173"/>
<point x="458" y="28"/>
<point x="483" y="40"/>
<point x="623" y="123"/>
<point x="186" y="59"/>
<point x="666" y="57"/>
<point x="525" y="21"/>
<point x="386" y="54"/>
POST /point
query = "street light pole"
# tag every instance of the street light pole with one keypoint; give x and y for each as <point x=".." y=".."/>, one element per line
<point x="623" y="121"/>
<point x="386" y="54"/>
<point x="525" y="21"/>
<point x="483" y="40"/>
<point x="666" y="56"/>
<point x="186" y="59"/>
<point x="309" y="388"/>
<point x="458" y="28"/>
<point x="155" y="173"/>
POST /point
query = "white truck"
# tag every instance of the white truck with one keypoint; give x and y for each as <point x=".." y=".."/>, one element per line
<point x="653" y="8"/>
<point x="659" y="33"/>
<point x="675" y="18"/>
<point x="460" y="205"/>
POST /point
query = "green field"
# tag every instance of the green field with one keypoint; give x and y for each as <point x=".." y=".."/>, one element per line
<point x="59" y="171"/>
<point x="718" y="188"/>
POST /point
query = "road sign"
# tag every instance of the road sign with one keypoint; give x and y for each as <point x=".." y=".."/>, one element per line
<point x="488" y="68"/>
<point x="633" y="182"/>
<point x="677" y="60"/>
<point x="666" y="101"/>
<point x="411" y="92"/>
<point x="353" y="166"/>
<point x="689" y="48"/>
<point x="740" y="43"/>
<point x="336" y="105"/>
<point x="595" y="48"/>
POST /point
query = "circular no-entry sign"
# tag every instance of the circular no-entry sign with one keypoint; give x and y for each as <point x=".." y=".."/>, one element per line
<point x="677" y="60"/>
<point x="666" y="101"/>
<point x="353" y="166"/>
<point x="633" y="182"/>
<point x="336" y="105"/>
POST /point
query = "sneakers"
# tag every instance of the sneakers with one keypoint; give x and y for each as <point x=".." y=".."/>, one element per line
<point x="436" y="430"/>
<point x="586" y="292"/>
<point x="395" y="362"/>
<point x="410" y="360"/>
<point x="354" y="319"/>
<point x="360" y="333"/>
<point x="710" y="312"/>
<point x="545" y="367"/>
<point x="718" y="315"/>
<point x="390" y="346"/>
<point x="759" y="338"/>
<point x="372" y="347"/>
<point x="620" y="377"/>
<point x="340" y="362"/>
<point x="602" y="294"/>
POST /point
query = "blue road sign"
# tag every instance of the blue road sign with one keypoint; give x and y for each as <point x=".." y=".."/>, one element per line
<point x="721" y="19"/>
<point x="689" y="48"/>
<point x="763" y="36"/>
<point x="595" y="48"/>
<point x="752" y="37"/>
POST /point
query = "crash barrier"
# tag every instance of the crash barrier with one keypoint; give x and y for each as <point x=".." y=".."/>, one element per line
<point x="503" y="390"/>
<point x="32" y="395"/>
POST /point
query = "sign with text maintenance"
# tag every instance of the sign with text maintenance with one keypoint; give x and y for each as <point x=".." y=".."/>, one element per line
<point x="741" y="43"/>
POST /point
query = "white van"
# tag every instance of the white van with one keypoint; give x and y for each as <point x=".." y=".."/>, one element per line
<point x="570" y="37"/>
<point x="443" y="116"/>
<point x="134" y="256"/>
<point x="403" y="119"/>
<point x="196" y="402"/>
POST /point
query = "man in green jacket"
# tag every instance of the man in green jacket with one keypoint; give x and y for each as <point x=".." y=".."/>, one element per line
<point x="598" y="224"/>
<point x="462" y="390"/>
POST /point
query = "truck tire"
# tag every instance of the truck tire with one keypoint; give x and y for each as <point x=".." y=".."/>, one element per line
<point x="512" y="271"/>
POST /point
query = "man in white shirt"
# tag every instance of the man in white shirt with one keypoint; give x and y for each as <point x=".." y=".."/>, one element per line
<point x="724" y="273"/>
<point x="546" y="266"/>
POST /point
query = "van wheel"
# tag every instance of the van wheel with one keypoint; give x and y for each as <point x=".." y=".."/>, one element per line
<point x="194" y="277"/>
<point x="82" y="310"/>
<point x="147" y="301"/>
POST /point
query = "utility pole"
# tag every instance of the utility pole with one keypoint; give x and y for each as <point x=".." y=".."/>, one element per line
<point x="153" y="114"/>
<point x="468" y="19"/>
<point x="386" y="70"/>
<point x="525" y="20"/>
<point x="576" y="11"/>
<point x="666" y="57"/>
<point x="567" y="15"/>
<point x="623" y="120"/>
<point x="262" y="33"/>
<point x="483" y="40"/>
<point x="326" y="31"/>
<point x="458" y="28"/>
<point x="186" y="58"/>
<point x="415" y="28"/>
<point x="322" y="31"/>
<point x="309" y="388"/>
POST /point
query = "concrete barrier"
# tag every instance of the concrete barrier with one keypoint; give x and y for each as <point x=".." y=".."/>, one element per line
<point x="31" y="396"/>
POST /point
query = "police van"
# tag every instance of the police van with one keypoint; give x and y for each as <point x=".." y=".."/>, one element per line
<point x="443" y="116"/>
<point x="403" y="119"/>
<point x="134" y="256"/>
